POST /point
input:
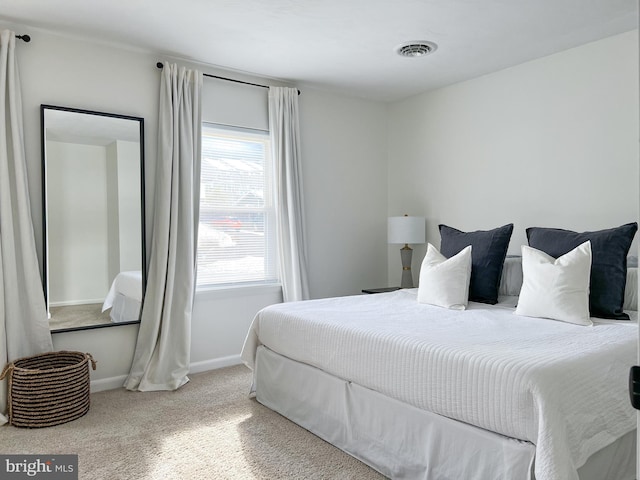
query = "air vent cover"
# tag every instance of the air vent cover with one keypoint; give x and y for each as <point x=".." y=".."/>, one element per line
<point x="416" y="49"/>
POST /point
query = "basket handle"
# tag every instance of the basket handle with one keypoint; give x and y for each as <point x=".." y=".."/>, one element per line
<point x="7" y="370"/>
<point x="93" y="362"/>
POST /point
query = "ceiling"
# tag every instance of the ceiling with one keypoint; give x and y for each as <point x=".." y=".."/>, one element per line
<point x="346" y="46"/>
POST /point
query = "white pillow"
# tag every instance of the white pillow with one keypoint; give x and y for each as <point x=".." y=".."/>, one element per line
<point x="556" y="288"/>
<point x="445" y="281"/>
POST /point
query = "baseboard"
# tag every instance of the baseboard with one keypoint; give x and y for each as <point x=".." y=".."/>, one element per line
<point x="215" y="363"/>
<point x="107" y="383"/>
<point x="196" y="367"/>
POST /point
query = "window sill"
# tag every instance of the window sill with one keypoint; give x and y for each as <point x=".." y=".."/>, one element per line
<point x="232" y="291"/>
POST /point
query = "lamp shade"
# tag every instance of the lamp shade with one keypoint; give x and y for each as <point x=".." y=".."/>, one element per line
<point x="405" y="230"/>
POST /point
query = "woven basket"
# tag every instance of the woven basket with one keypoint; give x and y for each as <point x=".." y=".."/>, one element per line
<point x="48" y="389"/>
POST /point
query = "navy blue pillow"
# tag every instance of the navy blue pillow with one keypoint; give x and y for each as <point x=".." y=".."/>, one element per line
<point x="488" y="250"/>
<point x="609" y="250"/>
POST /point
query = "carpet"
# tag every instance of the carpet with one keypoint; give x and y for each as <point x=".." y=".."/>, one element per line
<point x="208" y="429"/>
<point x="73" y="316"/>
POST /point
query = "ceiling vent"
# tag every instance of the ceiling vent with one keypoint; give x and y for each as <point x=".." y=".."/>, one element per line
<point x="416" y="49"/>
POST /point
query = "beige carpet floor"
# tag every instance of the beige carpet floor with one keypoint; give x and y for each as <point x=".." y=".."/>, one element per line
<point x="208" y="429"/>
<point x="73" y="316"/>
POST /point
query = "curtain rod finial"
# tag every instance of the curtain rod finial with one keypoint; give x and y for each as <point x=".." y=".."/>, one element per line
<point x="24" y="38"/>
<point x="159" y="65"/>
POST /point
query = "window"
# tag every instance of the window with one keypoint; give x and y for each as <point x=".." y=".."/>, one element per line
<point x="236" y="241"/>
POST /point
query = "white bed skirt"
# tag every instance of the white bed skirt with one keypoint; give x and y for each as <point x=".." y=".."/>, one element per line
<point x="125" y="309"/>
<point x="402" y="441"/>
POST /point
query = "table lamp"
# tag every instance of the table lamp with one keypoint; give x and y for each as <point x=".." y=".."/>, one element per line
<point x="406" y="230"/>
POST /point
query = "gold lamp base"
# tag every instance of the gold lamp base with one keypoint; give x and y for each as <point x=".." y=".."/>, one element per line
<point x="406" y="253"/>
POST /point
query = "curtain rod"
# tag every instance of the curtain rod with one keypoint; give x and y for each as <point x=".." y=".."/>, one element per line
<point x="25" y="38"/>
<point x="160" y="65"/>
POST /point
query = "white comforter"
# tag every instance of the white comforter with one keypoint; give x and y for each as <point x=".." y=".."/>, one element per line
<point x="562" y="387"/>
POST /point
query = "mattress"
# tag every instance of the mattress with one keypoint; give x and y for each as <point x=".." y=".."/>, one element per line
<point x="560" y="386"/>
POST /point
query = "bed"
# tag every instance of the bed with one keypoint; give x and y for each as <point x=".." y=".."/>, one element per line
<point x="124" y="297"/>
<point x="420" y="391"/>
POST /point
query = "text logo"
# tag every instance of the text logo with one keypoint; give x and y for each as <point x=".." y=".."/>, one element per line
<point x="50" y="467"/>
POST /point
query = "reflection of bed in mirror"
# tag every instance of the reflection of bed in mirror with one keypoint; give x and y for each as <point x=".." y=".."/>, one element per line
<point x="124" y="297"/>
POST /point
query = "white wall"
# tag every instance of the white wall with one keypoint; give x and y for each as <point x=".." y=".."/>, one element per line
<point x="344" y="165"/>
<point x="344" y="151"/>
<point x="128" y="205"/>
<point x="552" y="142"/>
<point x="124" y="215"/>
<point x="77" y="226"/>
<point x="113" y="222"/>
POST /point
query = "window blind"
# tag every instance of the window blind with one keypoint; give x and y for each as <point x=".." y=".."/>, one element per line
<point x="236" y="239"/>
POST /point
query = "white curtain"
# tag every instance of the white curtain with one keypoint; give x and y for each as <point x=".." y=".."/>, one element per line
<point x="285" y="141"/>
<point x="161" y="359"/>
<point x="24" y="326"/>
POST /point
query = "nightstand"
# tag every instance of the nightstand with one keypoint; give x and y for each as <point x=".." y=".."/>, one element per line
<point x="380" y="290"/>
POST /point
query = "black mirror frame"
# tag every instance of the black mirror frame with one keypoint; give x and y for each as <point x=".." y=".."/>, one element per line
<point x="43" y="108"/>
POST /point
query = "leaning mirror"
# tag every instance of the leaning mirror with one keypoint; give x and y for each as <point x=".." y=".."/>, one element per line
<point x="93" y="217"/>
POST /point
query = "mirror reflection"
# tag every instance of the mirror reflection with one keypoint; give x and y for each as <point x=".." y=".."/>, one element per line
<point x="94" y="269"/>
